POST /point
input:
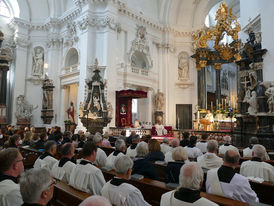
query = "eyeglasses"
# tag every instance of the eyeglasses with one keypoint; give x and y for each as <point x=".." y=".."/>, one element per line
<point x="21" y="160"/>
<point x="53" y="183"/>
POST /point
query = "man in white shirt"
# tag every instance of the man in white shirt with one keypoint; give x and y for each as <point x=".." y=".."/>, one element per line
<point x="227" y="146"/>
<point x="95" y="200"/>
<point x="247" y="152"/>
<point x="224" y="181"/>
<point x="120" y="149"/>
<point x="101" y="157"/>
<point x="85" y="176"/>
<point x="11" y="166"/>
<point x="203" y="143"/>
<point x="36" y="186"/>
<point x="165" y="146"/>
<point x="118" y="191"/>
<point x="62" y="169"/>
<point x="192" y="151"/>
<point x="168" y="156"/>
<point x="190" y="180"/>
<point x="131" y="150"/>
<point x="46" y="160"/>
<point x="255" y="167"/>
<point x="210" y="160"/>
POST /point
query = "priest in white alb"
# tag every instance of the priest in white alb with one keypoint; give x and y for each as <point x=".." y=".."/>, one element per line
<point x="118" y="191"/>
<point x="168" y="156"/>
<point x="131" y="150"/>
<point x="120" y="149"/>
<point x="247" y="152"/>
<point x="227" y="146"/>
<point x="61" y="170"/>
<point x="188" y="193"/>
<point x="165" y="146"/>
<point x="101" y="157"/>
<point x="256" y="167"/>
<point x="210" y="160"/>
<point x="85" y="176"/>
<point x="47" y="160"/>
<point x="224" y="181"/>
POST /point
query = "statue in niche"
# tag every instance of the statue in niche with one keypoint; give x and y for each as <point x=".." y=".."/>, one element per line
<point x="247" y="96"/>
<point x="252" y="101"/>
<point x="70" y="112"/>
<point x="183" y="67"/>
<point x="47" y="103"/>
<point x="38" y="61"/>
<point x="23" y="108"/>
<point x="252" y="79"/>
<point x="159" y="101"/>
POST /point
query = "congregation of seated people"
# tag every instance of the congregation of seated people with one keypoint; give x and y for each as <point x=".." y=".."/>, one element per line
<point x="184" y="162"/>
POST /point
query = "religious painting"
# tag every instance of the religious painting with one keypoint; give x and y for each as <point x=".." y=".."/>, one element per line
<point x="123" y="109"/>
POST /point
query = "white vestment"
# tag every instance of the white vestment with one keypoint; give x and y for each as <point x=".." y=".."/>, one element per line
<point x="159" y="129"/>
<point x="10" y="193"/>
<point x="123" y="195"/>
<point x="224" y="148"/>
<point x="193" y="152"/>
<point x="210" y="161"/>
<point x="257" y="169"/>
<point x="247" y="152"/>
<point x="131" y="153"/>
<point x="47" y="162"/>
<point x="111" y="159"/>
<point x="202" y="146"/>
<point x="62" y="173"/>
<point x="168" y="156"/>
<point x="87" y="178"/>
<point x="238" y="188"/>
<point x="101" y="158"/>
<point x="168" y="199"/>
<point x="165" y="148"/>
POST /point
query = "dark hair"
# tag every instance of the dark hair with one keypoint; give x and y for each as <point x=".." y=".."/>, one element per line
<point x="253" y="140"/>
<point x="66" y="149"/>
<point x="7" y="158"/>
<point x="153" y="145"/>
<point x="13" y="139"/>
<point x="58" y="136"/>
<point x="204" y="136"/>
<point x="43" y="135"/>
<point x="49" y="145"/>
<point x="192" y="140"/>
<point x="231" y="159"/>
<point x="89" y="148"/>
<point x="74" y="137"/>
<point x="185" y="135"/>
<point x="67" y="134"/>
<point x="123" y="133"/>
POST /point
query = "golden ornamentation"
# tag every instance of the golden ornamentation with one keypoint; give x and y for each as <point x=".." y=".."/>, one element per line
<point x="217" y="66"/>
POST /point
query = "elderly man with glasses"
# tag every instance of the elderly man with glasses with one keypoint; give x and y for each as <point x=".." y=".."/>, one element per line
<point x="11" y="166"/>
<point x="36" y="186"/>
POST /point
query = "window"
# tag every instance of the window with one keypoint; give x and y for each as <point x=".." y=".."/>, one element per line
<point x="4" y="10"/>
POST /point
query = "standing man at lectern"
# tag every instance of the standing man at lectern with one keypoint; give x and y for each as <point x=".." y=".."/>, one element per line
<point x="209" y="116"/>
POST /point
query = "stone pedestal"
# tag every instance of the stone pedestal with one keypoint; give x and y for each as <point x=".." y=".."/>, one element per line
<point x="22" y="123"/>
<point x="47" y="115"/>
<point x="95" y="125"/>
<point x="260" y="125"/>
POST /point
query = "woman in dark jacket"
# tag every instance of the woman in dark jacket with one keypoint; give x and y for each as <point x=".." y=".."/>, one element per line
<point x="155" y="153"/>
<point x="179" y="155"/>
<point x="141" y="165"/>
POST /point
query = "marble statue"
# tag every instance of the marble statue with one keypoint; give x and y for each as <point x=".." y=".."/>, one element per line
<point x="23" y="108"/>
<point x="159" y="101"/>
<point x="247" y="95"/>
<point x="253" y="79"/>
<point x="269" y="86"/>
<point x="183" y="67"/>
<point x="38" y="62"/>
<point x="270" y="94"/>
<point x="110" y="109"/>
<point x="252" y="101"/>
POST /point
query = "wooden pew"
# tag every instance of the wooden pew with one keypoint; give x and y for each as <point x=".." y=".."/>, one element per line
<point x="107" y="150"/>
<point x="30" y="155"/>
<point x="65" y="195"/>
<point x="152" y="191"/>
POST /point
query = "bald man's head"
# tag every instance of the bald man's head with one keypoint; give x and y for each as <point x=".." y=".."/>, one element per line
<point x="231" y="158"/>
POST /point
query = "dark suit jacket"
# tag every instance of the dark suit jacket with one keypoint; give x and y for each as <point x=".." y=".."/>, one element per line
<point x="144" y="167"/>
<point x="173" y="172"/>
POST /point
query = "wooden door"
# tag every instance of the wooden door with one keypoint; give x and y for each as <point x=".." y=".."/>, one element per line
<point x="184" y="116"/>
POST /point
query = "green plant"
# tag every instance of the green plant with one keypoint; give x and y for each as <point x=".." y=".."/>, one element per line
<point x="67" y="122"/>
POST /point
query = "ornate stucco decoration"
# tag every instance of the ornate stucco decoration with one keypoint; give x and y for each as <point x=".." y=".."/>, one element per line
<point x="23" y="109"/>
<point x="71" y="36"/>
<point x="140" y="44"/>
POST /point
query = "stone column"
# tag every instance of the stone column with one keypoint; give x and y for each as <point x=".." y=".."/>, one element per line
<point x="202" y="96"/>
<point x="218" y="86"/>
